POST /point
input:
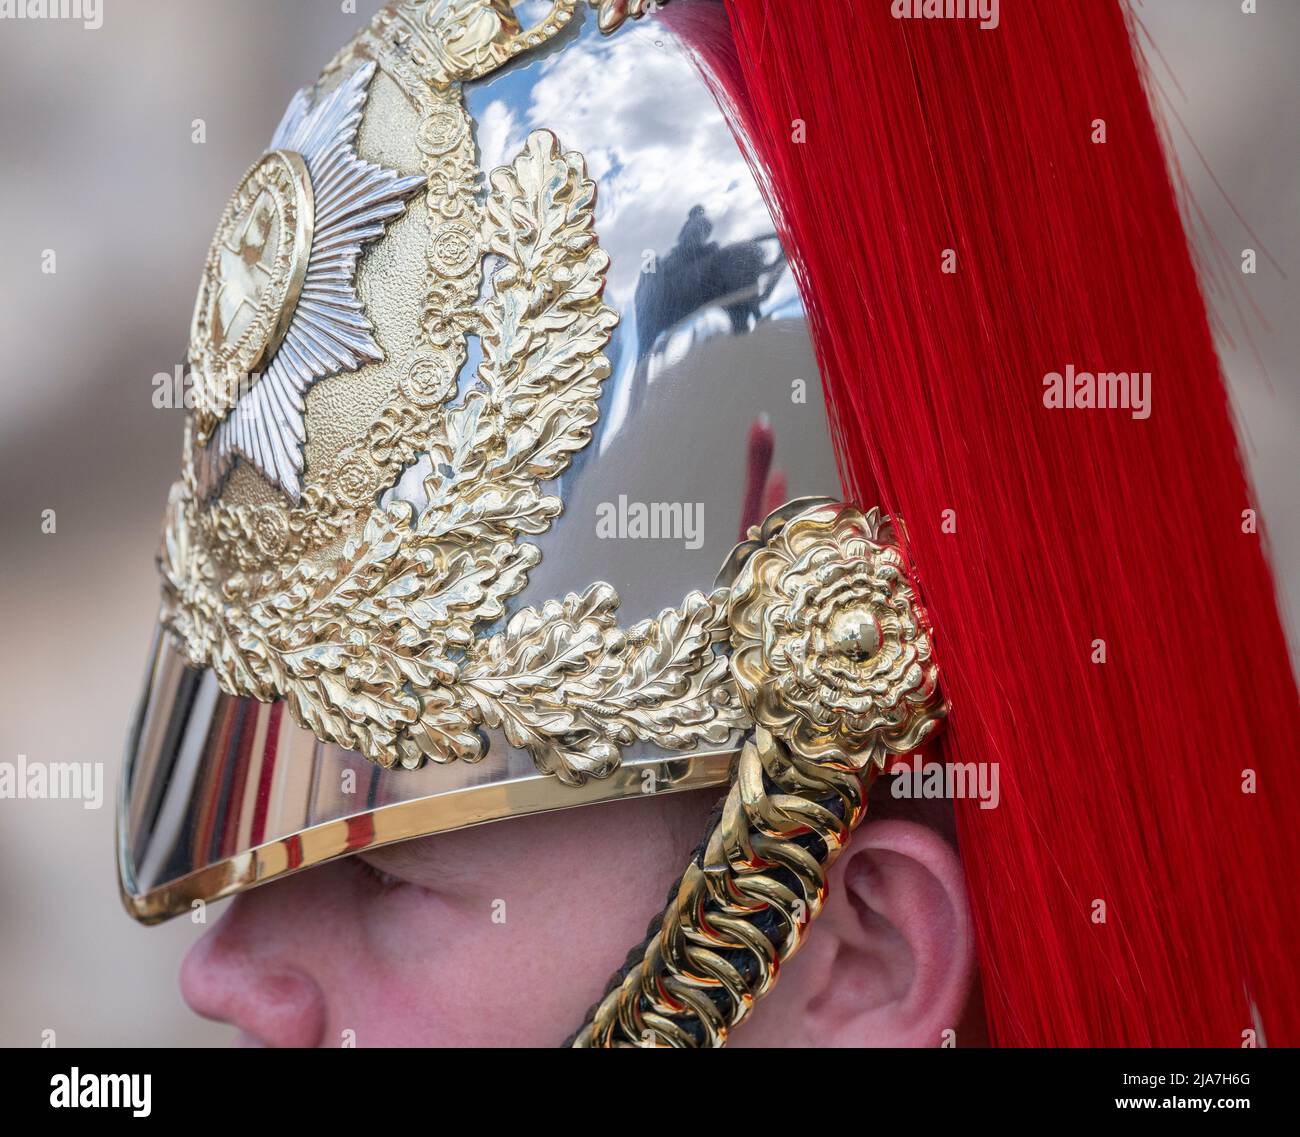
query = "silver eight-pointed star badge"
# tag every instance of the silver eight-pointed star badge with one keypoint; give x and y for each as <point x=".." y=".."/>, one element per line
<point x="277" y="307"/>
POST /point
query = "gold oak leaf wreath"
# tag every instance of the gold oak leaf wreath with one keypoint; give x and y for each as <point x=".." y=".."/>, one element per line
<point x="377" y="650"/>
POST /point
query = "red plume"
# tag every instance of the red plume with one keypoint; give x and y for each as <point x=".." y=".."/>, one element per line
<point x="1129" y="889"/>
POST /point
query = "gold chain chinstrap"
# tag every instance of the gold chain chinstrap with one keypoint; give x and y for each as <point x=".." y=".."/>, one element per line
<point x="743" y="906"/>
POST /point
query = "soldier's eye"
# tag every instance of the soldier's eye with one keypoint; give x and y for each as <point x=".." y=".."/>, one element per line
<point x="383" y="881"/>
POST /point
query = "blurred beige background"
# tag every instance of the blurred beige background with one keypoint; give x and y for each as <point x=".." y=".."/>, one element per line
<point x="98" y="165"/>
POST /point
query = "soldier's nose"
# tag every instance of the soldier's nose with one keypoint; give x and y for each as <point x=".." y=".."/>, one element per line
<point x="227" y="978"/>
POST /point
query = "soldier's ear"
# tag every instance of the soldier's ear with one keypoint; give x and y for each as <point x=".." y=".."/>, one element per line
<point x="893" y="960"/>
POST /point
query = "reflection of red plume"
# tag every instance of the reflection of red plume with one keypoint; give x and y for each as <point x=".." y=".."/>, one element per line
<point x="765" y="487"/>
<point x="1126" y="890"/>
<point x="758" y="466"/>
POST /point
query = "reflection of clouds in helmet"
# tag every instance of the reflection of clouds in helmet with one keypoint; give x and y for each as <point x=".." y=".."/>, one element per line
<point x="634" y="111"/>
<point x="500" y="137"/>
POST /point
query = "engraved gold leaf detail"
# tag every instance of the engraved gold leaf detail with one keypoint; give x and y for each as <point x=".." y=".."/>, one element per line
<point x="573" y="688"/>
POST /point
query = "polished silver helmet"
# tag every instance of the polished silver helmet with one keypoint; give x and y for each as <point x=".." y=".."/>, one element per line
<point x="495" y="359"/>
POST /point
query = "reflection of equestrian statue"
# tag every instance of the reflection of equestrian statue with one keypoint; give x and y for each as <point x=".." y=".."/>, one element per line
<point x="693" y="240"/>
<point x="698" y="273"/>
